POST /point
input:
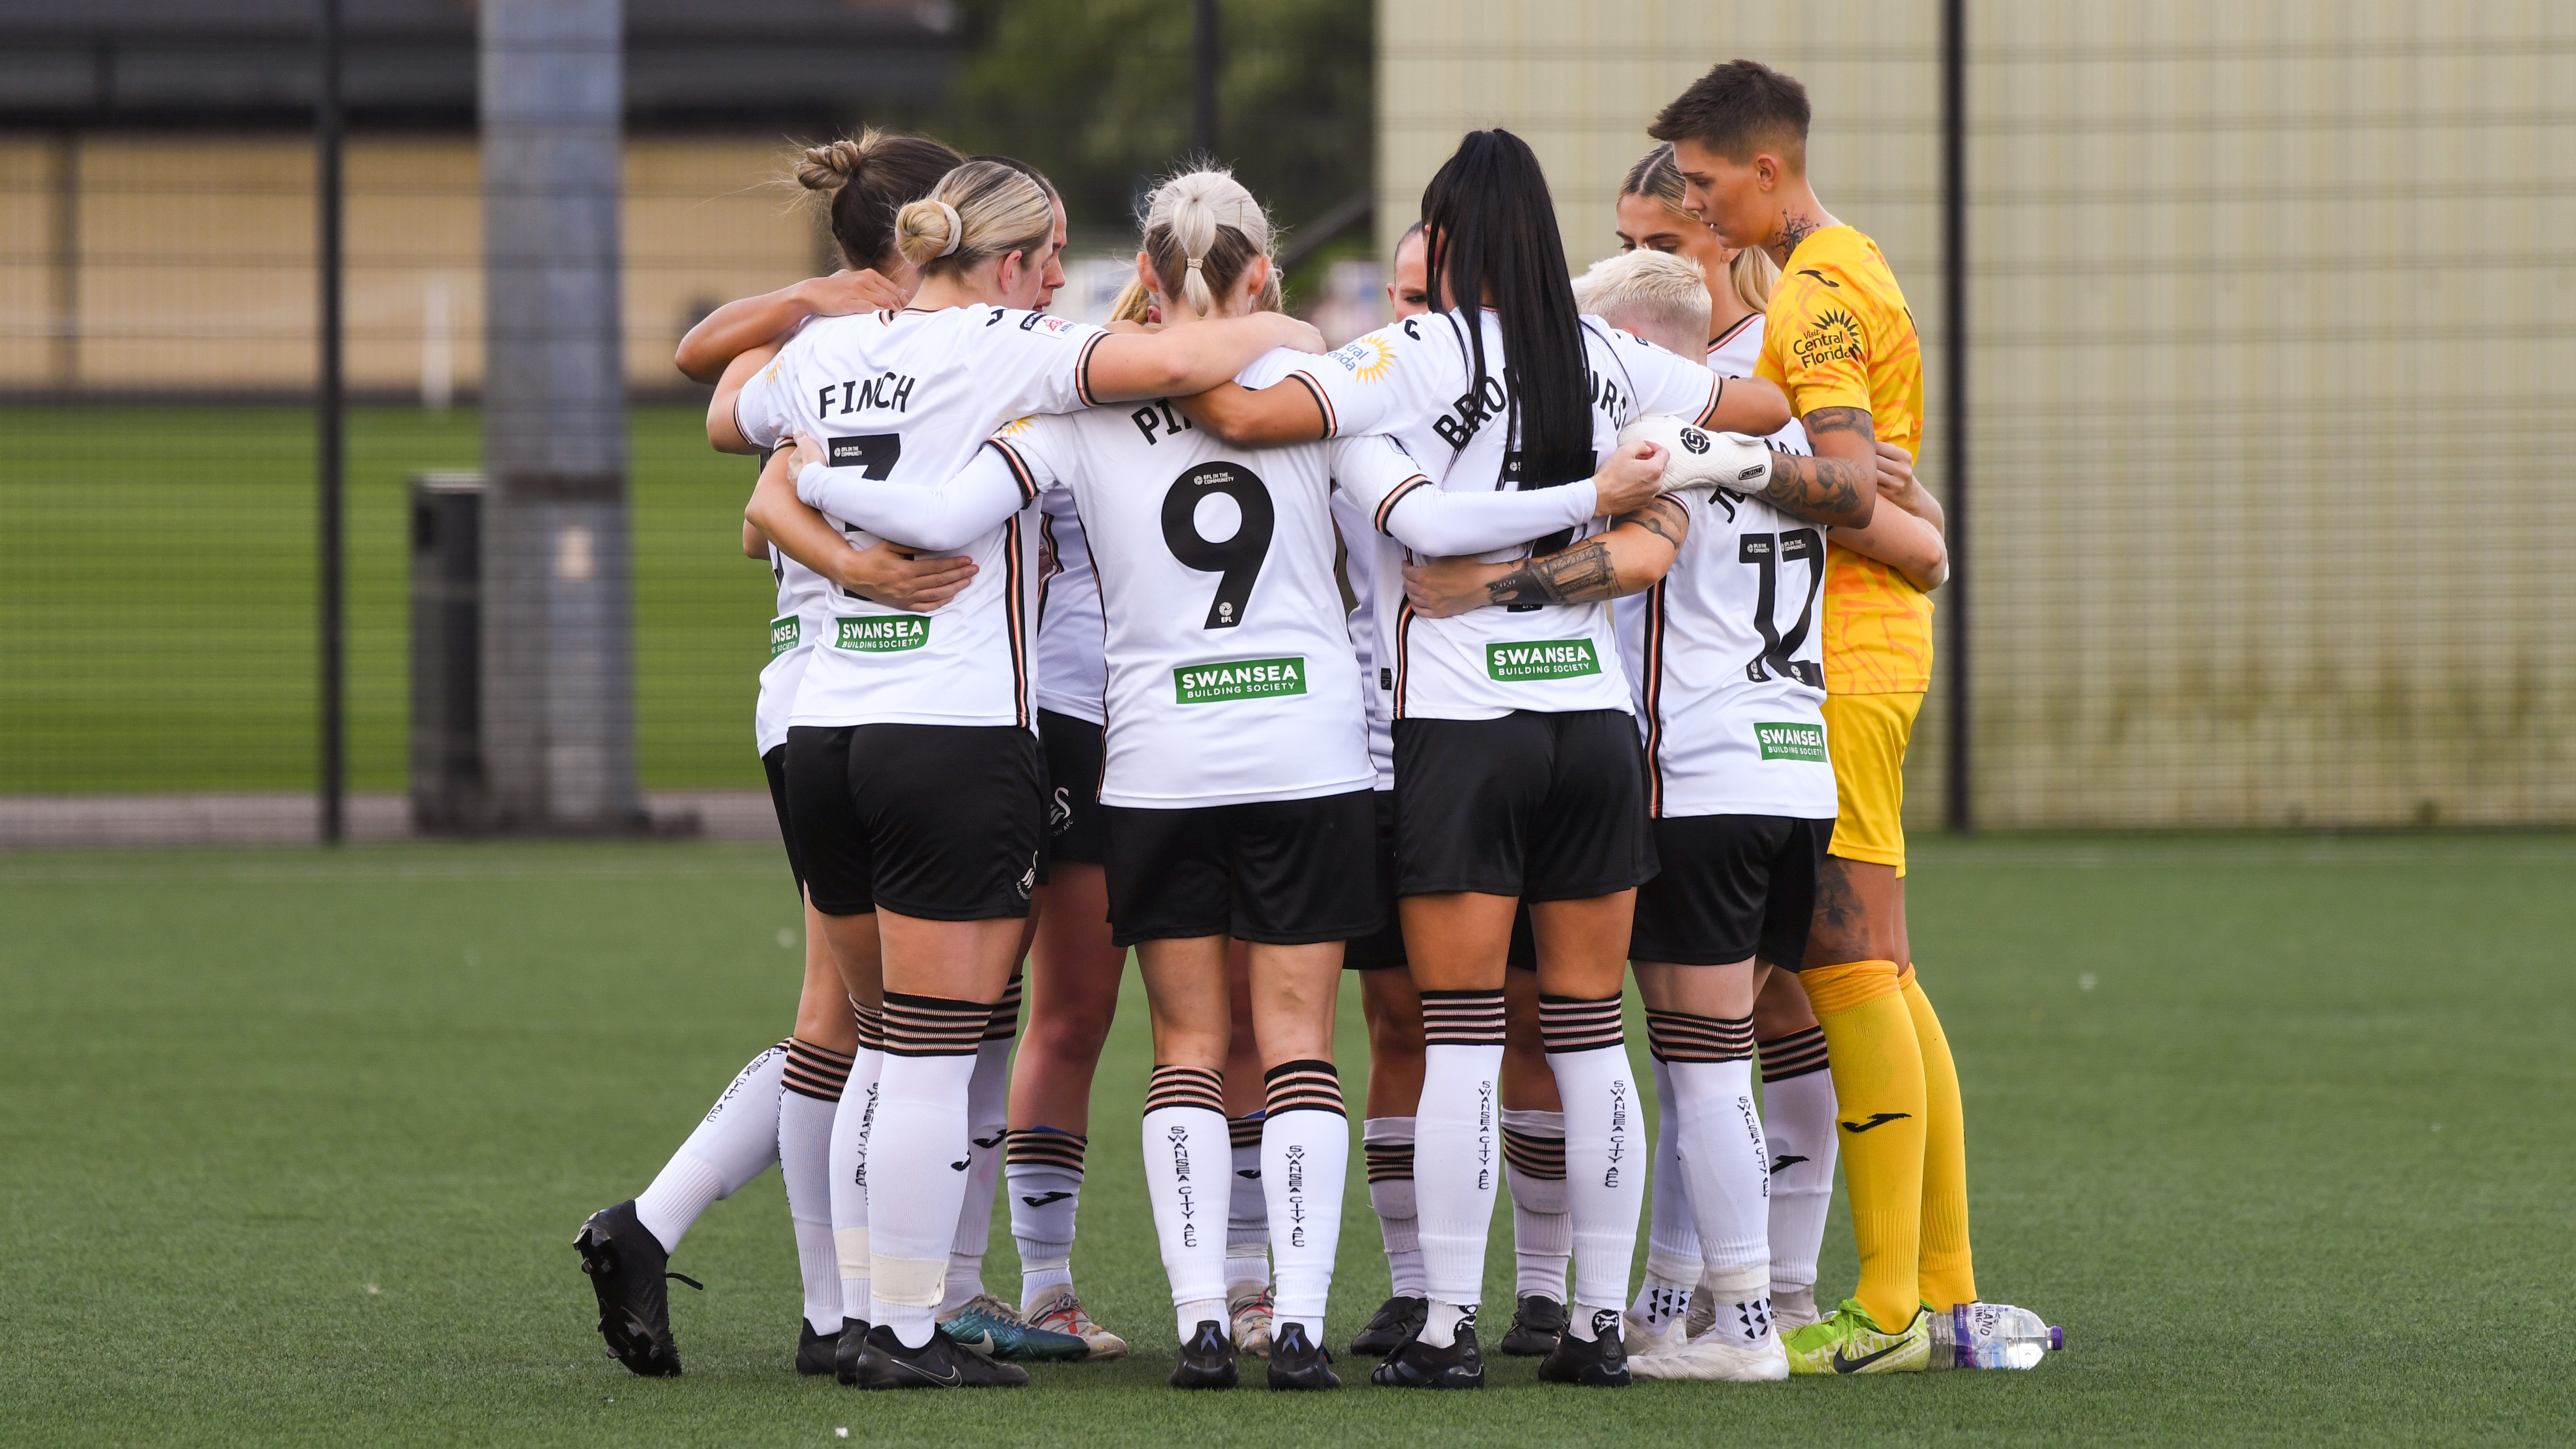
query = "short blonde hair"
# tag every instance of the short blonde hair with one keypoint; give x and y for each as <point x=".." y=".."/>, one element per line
<point x="1657" y="287"/>
<point x="979" y="211"/>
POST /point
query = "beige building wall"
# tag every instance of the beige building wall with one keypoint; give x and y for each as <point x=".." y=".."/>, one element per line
<point x="2273" y="339"/>
<point x="190" y="261"/>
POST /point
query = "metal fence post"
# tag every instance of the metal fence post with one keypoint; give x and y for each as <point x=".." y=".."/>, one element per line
<point x="327" y="428"/>
<point x="1961" y="800"/>
<point x="558" y="666"/>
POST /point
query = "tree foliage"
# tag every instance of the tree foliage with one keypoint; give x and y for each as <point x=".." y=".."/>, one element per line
<point x="1096" y="93"/>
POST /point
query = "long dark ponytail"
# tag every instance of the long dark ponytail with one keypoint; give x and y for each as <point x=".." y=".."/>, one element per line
<point x="1490" y="227"/>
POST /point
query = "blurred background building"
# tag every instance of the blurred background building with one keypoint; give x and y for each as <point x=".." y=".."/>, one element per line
<point x="2269" y="347"/>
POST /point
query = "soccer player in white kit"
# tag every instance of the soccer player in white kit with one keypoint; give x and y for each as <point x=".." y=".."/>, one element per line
<point x="1236" y="779"/>
<point x="1517" y="768"/>
<point x="913" y="771"/>
<point x="780" y="1107"/>
<point x="1719" y="625"/>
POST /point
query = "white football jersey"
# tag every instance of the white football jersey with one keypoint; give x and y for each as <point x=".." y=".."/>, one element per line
<point x="1073" y="676"/>
<point x="1230" y="676"/>
<point x="1727" y="659"/>
<point x="804" y="613"/>
<point x="912" y="395"/>
<point x="1360" y="554"/>
<point x="1733" y="355"/>
<point x="1410" y="382"/>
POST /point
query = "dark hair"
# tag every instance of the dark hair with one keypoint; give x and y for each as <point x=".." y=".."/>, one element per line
<point x="1737" y="107"/>
<point x="868" y="178"/>
<point x="1489" y="228"/>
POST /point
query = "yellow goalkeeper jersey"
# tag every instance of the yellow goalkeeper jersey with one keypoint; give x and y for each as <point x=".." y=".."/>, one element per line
<point x="1838" y="335"/>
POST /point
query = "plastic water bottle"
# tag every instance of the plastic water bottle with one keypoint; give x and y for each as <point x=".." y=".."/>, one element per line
<point x="1991" y="1336"/>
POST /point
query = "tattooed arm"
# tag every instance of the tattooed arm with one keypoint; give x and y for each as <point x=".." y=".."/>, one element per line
<point x="1631" y="558"/>
<point x="1838" y="487"/>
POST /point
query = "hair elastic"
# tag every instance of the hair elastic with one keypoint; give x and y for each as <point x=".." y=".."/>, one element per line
<point x="956" y="228"/>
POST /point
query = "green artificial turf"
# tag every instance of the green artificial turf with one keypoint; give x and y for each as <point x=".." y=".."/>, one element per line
<point x="295" y="1145"/>
<point x="157" y="587"/>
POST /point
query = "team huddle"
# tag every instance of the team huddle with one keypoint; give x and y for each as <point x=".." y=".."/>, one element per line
<point x="1064" y="667"/>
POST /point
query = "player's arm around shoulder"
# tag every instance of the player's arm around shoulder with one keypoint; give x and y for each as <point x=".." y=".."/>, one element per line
<point x="1905" y="532"/>
<point x="1630" y="558"/>
<point x="1838" y="487"/>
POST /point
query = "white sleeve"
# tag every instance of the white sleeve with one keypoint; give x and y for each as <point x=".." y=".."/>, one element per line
<point x="1408" y="507"/>
<point x="1373" y="385"/>
<point x="1661" y="384"/>
<point x="759" y="407"/>
<point x="996" y="484"/>
<point x="1029" y="362"/>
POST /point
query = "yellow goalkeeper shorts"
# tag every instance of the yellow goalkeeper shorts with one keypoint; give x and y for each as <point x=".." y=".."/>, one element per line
<point x="1866" y="734"/>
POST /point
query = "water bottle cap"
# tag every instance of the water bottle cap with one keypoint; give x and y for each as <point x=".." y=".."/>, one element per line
<point x="2056" y="1337"/>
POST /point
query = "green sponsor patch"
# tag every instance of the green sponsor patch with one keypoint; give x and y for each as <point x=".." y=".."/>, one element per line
<point x="1550" y="659"/>
<point x="882" y="633"/>
<point x="783" y="634"/>
<point x="1239" y="679"/>
<point x="1791" y="741"/>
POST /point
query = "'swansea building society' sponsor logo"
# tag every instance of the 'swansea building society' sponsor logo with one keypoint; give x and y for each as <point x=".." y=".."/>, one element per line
<point x="783" y="633"/>
<point x="881" y="633"/>
<point x="1548" y="659"/>
<point x="1238" y="679"/>
<point x="1791" y="741"/>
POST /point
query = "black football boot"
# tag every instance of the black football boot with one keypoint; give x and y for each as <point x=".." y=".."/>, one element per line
<point x="1601" y="1363"/>
<point x="1396" y="1320"/>
<point x="1296" y="1363"/>
<point x="816" y="1353"/>
<point x="939" y="1364"/>
<point x="1207" y="1360"/>
<point x="1417" y="1365"/>
<point x="626" y="1265"/>
<point x="1537" y="1324"/>
<point x="852" y="1343"/>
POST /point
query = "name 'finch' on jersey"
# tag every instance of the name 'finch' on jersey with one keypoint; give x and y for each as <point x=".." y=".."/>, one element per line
<point x="912" y="395"/>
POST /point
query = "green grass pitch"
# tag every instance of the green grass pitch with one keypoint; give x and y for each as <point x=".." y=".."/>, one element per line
<point x="295" y="1144"/>
<point x="157" y="614"/>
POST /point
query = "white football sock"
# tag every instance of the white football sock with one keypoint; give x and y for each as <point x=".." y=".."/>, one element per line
<point x="1672" y="1239"/>
<point x="1305" y="1161"/>
<point x="1542" y="1228"/>
<point x="1442" y="1320"/>
<point x="814" y="1082"/>
<point x="1724" y="1160"/>
<point x="851" y="1124"/>
<point x="1045" y="1185"/>
<point x="1798" y="1121"/>
<point x="988" y="1095"/>
<point x="734" y="1144"/>
<point x="1188" y="1169"/>
<point x="1247" y="1213"/>
<point x="917" y="1158"/>
<point x="1457" y="1144"/>
<point x="1388" y="1144"/>
<point x="1605" y="1144"/>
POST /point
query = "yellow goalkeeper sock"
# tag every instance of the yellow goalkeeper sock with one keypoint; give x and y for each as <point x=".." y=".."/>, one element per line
<point x="1878" y="1088"/>
<point x="1949" y="1271"/>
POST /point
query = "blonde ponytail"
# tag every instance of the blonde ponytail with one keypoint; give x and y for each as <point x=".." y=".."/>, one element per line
<point x="1201" y="230"/>
<point x="979" y="211"/>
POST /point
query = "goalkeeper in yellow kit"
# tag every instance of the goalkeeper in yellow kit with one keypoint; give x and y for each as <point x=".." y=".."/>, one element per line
<point x="1840" y="342"/>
